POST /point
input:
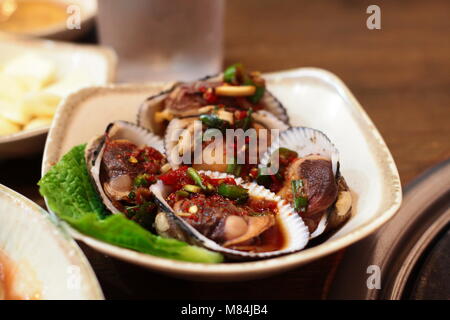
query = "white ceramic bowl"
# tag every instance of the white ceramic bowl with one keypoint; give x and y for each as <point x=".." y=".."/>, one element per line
<point x="87" y="10"/>
<point x="99" y="63"/>
<point x="45" y="258"/>
<point x="313" y="97"/>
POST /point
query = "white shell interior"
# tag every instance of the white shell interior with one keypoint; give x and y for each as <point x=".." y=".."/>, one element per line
<point x="269" y="120"/>
<point x="173" y="130"/>
<point x="128" y="131"/>
<point x="137" y="135"/>
<point x="274" y="106"/>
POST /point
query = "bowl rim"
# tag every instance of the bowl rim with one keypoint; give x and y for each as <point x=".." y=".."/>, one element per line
<point x="391" y="203"/>
<point x="57" y="231"/>
<point x="107" y="53"/>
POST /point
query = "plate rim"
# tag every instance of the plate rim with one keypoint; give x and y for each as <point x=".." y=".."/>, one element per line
<point x="254" y="269"/>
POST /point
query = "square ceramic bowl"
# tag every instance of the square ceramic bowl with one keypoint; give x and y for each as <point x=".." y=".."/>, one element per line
<point x="98" y="62"/>
<point x="312" y="97"/>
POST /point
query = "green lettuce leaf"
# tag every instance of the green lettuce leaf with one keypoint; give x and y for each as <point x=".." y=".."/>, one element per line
<point x="70" y="194"/>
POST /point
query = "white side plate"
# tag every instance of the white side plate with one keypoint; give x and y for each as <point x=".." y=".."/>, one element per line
<point x="313" y="97"/>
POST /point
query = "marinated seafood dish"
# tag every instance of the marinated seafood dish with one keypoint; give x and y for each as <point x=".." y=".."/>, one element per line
<point x="233" y="100"/>
<point x="210" y="209"/>
<point x="280" y="187"/>
<point x="235" y="88"/>
<point x="180" y="137"/>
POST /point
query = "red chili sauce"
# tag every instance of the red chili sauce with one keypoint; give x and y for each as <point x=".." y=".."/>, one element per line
<point x="211" y="208"/>
<point x="143" y="166"/>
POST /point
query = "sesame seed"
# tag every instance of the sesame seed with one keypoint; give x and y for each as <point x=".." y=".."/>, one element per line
<point x="193" y="209"/>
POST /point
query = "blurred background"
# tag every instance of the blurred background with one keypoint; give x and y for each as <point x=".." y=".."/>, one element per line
<point x="399" y="74"/>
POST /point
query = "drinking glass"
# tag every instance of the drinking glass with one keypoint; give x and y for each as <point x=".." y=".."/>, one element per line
<point x="163" y="39"/>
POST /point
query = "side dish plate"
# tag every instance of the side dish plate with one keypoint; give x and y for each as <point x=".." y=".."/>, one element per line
<point x="44" y="256"/>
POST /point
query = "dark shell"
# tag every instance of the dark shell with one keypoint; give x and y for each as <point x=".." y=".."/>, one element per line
<point x="116" y="130"/>
<point x="145" y="115"/>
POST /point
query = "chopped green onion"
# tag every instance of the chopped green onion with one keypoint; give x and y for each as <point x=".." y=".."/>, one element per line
<point x="260" y="90"/>
<point x="233" y="192"/>
<point x="301" y="202"/>
<point x="263" y="180"/>
<point x="143" y="208"/>
<point x="192" y="188"/>
<point x="238" y="170"/>
<point x="260" y="214"/>
<point x="210" y="187"/>
<point x="231" y="167"/>
<point x="142" y="214"/>
<point x="213" y="121"/>
<point x="266" y="180"/>
<point x="141" y="180"/>
<point x="300" y="198"/>
<point x="196" y="177"/>
<point x="244" y="124"/>
<point x="235" y="74"/>
<point x="247" y="120"/>
<point x="296" y="185"/>
<point x="232" y="73"/>
<point x="182" y="193"/>
<point x="234" y="168"/>
<point x="259" y="93"/>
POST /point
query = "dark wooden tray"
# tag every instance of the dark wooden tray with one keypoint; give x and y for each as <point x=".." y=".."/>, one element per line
<point x="411" y="250"/>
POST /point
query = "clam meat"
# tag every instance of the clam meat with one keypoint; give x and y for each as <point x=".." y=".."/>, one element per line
<point x="224" y="214"/>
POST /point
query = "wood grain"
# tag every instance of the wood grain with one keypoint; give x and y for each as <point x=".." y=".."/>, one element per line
<point x="400" y="75"/>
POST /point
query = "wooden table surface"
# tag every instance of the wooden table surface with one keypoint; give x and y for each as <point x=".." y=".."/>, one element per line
<point x="400" y="75"/>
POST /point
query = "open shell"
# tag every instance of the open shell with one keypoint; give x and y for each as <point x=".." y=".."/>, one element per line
<point x="296" y="232"/>
<point x="306" y="142"/>
<point x="179" y="125"/>
<point x="116" y="130"/>
<point x="153" y="104"/>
